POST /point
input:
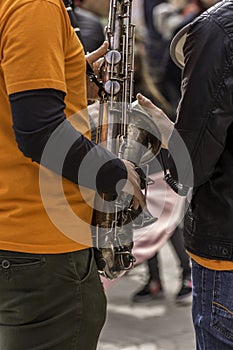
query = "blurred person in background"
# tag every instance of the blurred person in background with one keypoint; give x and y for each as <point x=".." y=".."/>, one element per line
<point x="169" y="17"/>
<point x="91" y="28"/>
<point x="153" y="288"/>
<point x="155" y="45"/>
<point x="100" y="7"/>
<point x="205" y="124"/>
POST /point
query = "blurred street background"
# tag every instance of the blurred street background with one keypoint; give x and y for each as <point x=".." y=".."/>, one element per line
<point x="160" y="324"/>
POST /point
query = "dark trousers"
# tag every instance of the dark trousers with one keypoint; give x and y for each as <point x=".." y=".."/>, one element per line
<point x="177" y="242"/>
<point x="50" y="302"/>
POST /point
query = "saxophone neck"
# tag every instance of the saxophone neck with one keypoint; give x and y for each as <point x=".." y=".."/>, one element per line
<point x="118" y="67"/>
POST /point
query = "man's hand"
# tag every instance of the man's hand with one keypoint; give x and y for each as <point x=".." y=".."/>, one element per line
<point x="163" y="123"/>
<point x="95" y="59"/>
<point x="132" y="185"/>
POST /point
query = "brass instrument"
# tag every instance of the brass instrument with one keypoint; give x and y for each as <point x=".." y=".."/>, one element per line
<point x="127" y="132"/>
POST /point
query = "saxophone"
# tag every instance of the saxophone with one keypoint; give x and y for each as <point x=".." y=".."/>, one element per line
<point x="130" y="134"/>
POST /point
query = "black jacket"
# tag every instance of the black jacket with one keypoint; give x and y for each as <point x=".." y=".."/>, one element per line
<point x="205" y="123"/>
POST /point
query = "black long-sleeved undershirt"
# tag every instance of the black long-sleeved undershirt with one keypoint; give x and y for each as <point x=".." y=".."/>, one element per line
<point x="38" y="114"/>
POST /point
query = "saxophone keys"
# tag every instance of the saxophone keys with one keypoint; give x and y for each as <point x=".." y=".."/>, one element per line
<point x="112" y="87"/>
<point x="113" y="57"/>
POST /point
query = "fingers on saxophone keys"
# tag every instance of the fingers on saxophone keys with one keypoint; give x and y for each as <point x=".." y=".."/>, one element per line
<point x="95" y="55"/>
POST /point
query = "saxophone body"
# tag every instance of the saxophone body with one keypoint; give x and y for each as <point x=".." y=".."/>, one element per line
<point x="127" y="132"/>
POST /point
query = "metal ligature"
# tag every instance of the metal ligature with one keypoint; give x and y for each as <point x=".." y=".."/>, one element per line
<point x="130" y="134"/>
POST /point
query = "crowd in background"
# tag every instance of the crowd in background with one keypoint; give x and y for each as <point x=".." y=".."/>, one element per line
<point x="156" y="24"/>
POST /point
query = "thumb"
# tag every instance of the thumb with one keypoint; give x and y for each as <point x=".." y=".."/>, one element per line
<point x="95" y="55"/>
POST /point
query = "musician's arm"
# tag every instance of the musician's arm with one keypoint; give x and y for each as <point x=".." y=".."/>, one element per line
<point x="37" y="114"/>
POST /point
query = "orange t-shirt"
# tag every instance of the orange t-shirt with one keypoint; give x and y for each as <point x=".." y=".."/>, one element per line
<point x="39" y="49"/>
